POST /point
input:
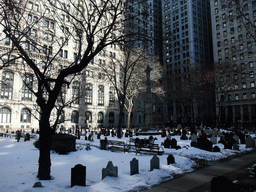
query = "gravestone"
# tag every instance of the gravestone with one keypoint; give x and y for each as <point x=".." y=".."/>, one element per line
<point x="214" y="140"/>
<point x="78" y="175"/>
<point x="184" y="135"/>
<point x="18" y="135"/>
<point x="110" y="170"/>
<point x="166" y="143"/>
<point x="236" y="147"/>
<point x="216" y="149"/>
<point x="154" y="163"/>
<point x="194" y="144"/>
<point x="173" y="143"/>
<point x="27" y="137"/>
<point x="170" y="160"/>
<point x="37" y="184"/>
<point x="236" y="138"/>
<point x="134" y="166"/>
<point x="242" y="138"/>
<point x="215" y="132"/>
<point x="221" y="184"/>
<point x="194" y="138"/>
<point x="250" y="142"/>
<point x="169" y="136"/>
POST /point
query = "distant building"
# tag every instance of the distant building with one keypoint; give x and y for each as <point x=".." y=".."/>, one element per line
<point x="234" y="37"/>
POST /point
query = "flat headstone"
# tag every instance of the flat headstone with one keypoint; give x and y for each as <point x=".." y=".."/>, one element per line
<point x="110" y="170"/>
<point x="37" y="184"/>
<point x="78" y="175"/>
<point x="250" y="142"/>
<point x="154" y="163"/>
<point x="170" y="160"/>
<point x="134" y="166"/>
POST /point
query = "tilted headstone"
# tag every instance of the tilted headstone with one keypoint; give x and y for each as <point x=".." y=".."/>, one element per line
<point x="170" y="160"/>
<point x="134" y="166"/>
<point x="154" y="163"/>
<point x="110" y="170"/>
<point x="78" y="175"/>
<point x="250" y="142"/>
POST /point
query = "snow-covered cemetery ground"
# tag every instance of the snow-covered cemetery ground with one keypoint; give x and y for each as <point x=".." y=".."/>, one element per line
<point x="19" y="164"/>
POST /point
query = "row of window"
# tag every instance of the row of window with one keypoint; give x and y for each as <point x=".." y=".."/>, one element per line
<point x="237" y="96"/>
<point x="5" y="115"/>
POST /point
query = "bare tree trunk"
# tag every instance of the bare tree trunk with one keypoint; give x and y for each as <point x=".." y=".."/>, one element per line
<point x="128" y="119"/>
<point x="45" y="139"/>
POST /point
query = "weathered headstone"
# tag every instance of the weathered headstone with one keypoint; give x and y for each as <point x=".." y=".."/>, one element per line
<point x="37" y="184"/>
<point x="166" y="143"/>
<point x="214" y="140"/>
<point x="194" y="138"/>
<point x="250" y="142"/>
<point x="78" y="175"/>
<point x="170" y="160"/>
<point x="154" y="163"/>
<point x="134" y="166"/>
<point x="110" y="170"/>
<point x="216" y="149"/>
<point x="173" y="143"/>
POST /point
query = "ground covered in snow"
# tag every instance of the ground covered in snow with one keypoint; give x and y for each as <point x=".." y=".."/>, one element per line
<point x="19" y="164"/>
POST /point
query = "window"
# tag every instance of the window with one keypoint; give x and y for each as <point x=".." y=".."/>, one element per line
<point x="7" y="41"/>
<point x="5" y="115"/>
<point x="111" y="118"/>
<point x="75" y="117"/>
<point x="236" y="96"/>
<point x="62" y="95"/>
<point x="244" y="85"/>
<point x="61" y="117"/>
<point x="112" y="97"/>
<point x="252" y="84"/>
<point x="100" y="95"/>
<point x="88" y="117"/>
<point x="7" y="85"/>
<point x="253" y="95"/>
<point x="26" y="88"/>
<point x="25" y="116"/>
<point x="244" y="96"/>
<point x="76" y="92"/>
<point x="88" y="94"/>
<point x="65" y="54"/>
<point x="224" y="24"/>
<point x="100" y="117"/>
<point x="251" y="74"/>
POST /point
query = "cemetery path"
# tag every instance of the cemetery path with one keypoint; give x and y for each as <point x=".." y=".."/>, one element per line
<point x="200" y="180"/>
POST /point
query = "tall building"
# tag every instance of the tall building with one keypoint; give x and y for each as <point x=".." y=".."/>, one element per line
<point x="234" y="37"/>
<point x="187" y="44"/>
<point x="96" y="107"/>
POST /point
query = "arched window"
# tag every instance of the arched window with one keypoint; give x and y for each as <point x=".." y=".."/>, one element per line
<point x="100" y="117"/>
<point x="75" y="117"/>
<point x="5" y="115"/>
<point x="101" y="95"/>
<point x="111" y="117"/>
<point x="25" y="116"/>
<point x="112" y="97"/>
<point x="76" y="92"/>
<point x="88" y="94"/>
<point x="88" y="117"/>
<point x="7" y="85"/>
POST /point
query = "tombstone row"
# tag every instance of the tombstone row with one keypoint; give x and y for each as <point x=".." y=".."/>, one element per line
<point x="78" y="173"/>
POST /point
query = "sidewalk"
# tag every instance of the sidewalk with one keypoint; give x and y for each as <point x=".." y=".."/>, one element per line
<point x="200" y="180"/>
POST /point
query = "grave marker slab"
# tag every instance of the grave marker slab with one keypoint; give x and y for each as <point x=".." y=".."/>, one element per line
<point x="250" y="142"/>
<point x="170" y="160"/>
<point x="110" y="170"/>
<point x="134" y="166"/>
<point x="78" y="175"/>
<point x="154" y="163"/>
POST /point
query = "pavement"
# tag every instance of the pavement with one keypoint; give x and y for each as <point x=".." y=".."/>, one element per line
<point x="234" y="168"/>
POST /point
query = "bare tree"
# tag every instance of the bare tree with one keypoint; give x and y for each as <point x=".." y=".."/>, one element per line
<point x="41" y="32"/>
